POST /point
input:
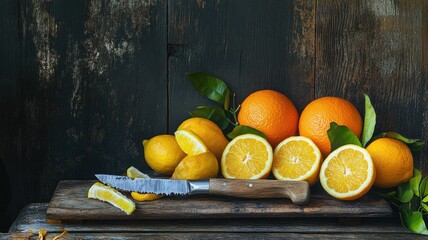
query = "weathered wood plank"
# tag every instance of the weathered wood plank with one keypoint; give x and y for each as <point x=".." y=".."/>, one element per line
<point x="91" y="85"/>
<point x="251" y="45"/>
<point x="33" y="216"/>
<point x="223" y="235"/>
<point x="376" y="47"/>
<point x="9" y="96"/>
<point x="70" y="202"/>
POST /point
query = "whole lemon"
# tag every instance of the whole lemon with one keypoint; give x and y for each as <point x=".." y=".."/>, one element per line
<point x="201" y="166"/>
<point x="393" y="161"/>
<point x="209" y="132"/>
<point x="162" y="153"/>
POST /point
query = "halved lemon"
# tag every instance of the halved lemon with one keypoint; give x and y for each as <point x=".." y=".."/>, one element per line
<point x="133" y="172"/>
<point x="348" y="172"/>
<point x="247" y="156"/>
<point x="190" y="143"/>
<point x="112" y="196"/>
<point x="297" y="159"/>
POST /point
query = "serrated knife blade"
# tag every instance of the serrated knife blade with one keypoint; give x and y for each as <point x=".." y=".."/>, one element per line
<point x="297" y="191"/>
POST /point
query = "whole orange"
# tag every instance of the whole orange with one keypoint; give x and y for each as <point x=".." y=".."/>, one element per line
<point x="270" y="112"/>
<point x="316" y="118"/>
<point x="393" y="161"/>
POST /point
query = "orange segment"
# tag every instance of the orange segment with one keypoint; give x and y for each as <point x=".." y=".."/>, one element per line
<point x="348" y="173"/>
<point x="298" y="159"/>
<point x="247" y="156"/>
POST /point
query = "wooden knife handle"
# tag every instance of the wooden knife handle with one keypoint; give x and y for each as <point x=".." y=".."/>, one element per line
<point x="297" y="191"/>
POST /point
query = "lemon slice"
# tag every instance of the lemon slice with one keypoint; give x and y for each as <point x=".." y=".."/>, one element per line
<point x="247" y="156"/>
<point x="133" y="172"/>
<point x="112" y="196"/>
<point x="297" y="159"/>
<point x="190" y="143"/>
<point x="348" y="172"/>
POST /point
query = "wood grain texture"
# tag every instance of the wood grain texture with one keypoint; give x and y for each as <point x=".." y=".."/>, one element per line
<point x="259" y="46"/>
<point x="33" y="216"/>
<point x="376" y="47"/>
<point x="70" y="202"/>
<point x="89" y="83"/>
<point x="297" y="191"/>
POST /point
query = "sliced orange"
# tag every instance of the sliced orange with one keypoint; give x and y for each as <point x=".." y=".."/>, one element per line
<point x="348" y="172"/>
<point x="297" y="159"/>
<point x="107" y="194"/>
<point x="247" y="156"/>
<point x="133" y="172"/>
<point x="190" y="143"/>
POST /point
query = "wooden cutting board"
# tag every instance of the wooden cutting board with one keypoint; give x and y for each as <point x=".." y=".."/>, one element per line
<point x="70" y="202"/>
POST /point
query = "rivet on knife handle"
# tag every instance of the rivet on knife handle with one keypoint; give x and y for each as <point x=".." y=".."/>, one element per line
<point x="297" y="191"/>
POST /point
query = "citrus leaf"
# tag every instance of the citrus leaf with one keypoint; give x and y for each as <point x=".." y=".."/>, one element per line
<point x="424" y="206"/>
<point x="414" y="144"/>
<point x="404" y="192"/>
<point x="415" y="181"/>
<point x="423" y="188"/>
<point x="369" y="121"/>
<point x="413" y="220"/>
<point x="213" y="113"/>
<point x="241" y="129"/>
<point x="210" y="87"/>
<point x="340" y="135"/>
<point x="425" y="199"/>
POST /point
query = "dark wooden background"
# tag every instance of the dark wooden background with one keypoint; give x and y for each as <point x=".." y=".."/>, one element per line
<point x="83" y="82"/>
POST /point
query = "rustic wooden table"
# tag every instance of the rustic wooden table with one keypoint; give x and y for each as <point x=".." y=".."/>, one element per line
<point x="33" y="217"/>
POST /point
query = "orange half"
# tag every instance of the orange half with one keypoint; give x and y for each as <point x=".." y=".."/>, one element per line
<point x="247" y="156"/>
<point x="348" y="172"/>
<point x="297" y="159"/>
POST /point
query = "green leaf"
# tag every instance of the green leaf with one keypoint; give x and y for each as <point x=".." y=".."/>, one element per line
<point x="415" y="181"/>
<point x="414" y="144"/>
<point x="424" y="207"/>
<point x="425" y="199"/>
<point x="369" y="121"/>
<point x="413" y="220"/>
<point x="210" y="87"/>
<point x="423" y="188"/>
<point x="213" y="113"/>
<point x="404" y="192"/>
<point x="341" y="135"/>
<point x="241" y="129"/>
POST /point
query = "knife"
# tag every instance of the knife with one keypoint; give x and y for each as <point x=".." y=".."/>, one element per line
<point x="297" y="191"/>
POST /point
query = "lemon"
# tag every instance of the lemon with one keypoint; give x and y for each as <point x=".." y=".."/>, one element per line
<point x="162" y="153"/>
<point x="200" y="166"/>
<point x="133" y="172"/>
<point x="112" y="196"/>
<point x="209" y="132"/>
<point x="190" y="143"/>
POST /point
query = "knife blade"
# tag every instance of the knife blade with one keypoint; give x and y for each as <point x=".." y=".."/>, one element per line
<point x="297" y="191"/>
